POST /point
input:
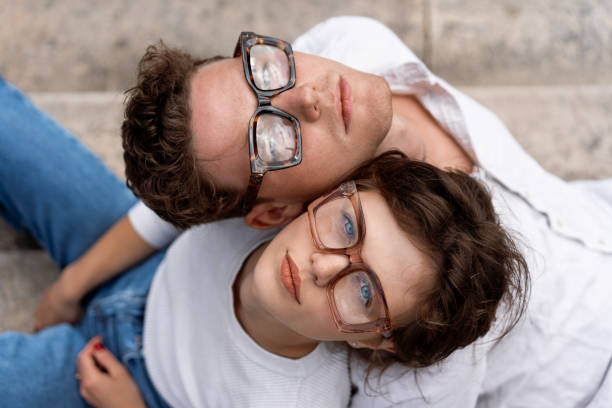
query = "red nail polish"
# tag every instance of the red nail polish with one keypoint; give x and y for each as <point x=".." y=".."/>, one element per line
<point x="98" y="346"/>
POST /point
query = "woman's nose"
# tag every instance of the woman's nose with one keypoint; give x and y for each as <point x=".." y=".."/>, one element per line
<point x="326" y="266"/>
<point x="301" y="102"/>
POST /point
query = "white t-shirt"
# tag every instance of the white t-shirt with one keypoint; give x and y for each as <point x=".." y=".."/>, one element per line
<point x="197" y="353"/>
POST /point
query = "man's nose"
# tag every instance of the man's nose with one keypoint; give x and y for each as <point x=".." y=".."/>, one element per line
<point x="301" y="102"/>
<point x="326" y="266"/>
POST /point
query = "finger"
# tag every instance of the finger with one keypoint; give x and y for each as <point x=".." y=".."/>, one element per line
<point x="86" y="365"/>
<point x="109" y="362"/>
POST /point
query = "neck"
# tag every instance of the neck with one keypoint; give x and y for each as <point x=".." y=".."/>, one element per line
<point x="262" y="327"/>
<point x="404" y="137"/>
<point x="419" y="136"/>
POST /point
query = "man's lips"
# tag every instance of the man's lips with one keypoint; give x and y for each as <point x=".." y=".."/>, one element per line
<point x="290" y="276"/>
<point x="347" y="104"/>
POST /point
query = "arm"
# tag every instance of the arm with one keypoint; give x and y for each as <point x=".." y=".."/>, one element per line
<point x="118" y="249"/>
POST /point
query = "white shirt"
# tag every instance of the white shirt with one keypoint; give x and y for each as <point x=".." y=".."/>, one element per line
<point x="197" y="353"/>
<point x="559" y="354"/>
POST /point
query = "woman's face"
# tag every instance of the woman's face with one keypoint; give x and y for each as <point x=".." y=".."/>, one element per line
<point x="403" y="270"/>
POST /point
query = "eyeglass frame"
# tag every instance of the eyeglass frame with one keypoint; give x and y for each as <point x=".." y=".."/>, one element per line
<point x="258" y="166"/>
<point x="381" y="325"/>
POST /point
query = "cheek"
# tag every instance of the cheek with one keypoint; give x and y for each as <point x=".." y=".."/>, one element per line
<point x="316" y="322"/>
<point x="298" y="184"/>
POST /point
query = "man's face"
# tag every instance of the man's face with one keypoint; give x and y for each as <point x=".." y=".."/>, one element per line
<point x="222" y="104"/>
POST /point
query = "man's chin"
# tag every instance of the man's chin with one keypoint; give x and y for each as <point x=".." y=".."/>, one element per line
<point x="384" y="108"/>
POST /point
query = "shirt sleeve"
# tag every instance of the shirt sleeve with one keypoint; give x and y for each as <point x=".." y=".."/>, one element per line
<point x="454" y="382"/>
<point x="359" y="42"/>
<point x="154" y="230"/>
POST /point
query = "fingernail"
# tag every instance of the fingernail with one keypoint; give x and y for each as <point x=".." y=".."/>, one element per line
<point x="98" y="346"/>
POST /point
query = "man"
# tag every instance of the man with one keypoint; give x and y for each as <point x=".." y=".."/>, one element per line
<point x="187" y="148"/>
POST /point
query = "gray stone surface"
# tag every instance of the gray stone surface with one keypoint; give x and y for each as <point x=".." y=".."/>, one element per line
<point x="567" y="129"/>
<point x="66" y="45"/>
<point x="514" y="42"/>
<point x="24" y="275"/>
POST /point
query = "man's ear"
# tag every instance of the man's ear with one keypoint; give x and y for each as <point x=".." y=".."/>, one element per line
<point x="271" y="214"/>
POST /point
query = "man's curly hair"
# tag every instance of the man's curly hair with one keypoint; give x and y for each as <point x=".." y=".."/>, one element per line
<point x="161" y="167"/>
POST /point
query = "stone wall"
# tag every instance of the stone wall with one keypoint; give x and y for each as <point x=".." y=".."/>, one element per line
<point x="65" y="45"/>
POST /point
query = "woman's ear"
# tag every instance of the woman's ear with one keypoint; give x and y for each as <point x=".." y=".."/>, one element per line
<point x="271" y="214"/>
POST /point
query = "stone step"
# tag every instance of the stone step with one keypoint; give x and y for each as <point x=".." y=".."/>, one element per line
<point x="567" y="129"/>
<point x="95" y="45"/>
<point x="24" y="276"/>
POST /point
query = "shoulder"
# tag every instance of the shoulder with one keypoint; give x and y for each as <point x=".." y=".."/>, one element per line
<point x="355" y="27"/>
<point x="360" y="42"/>
<point x="217" y="244"/>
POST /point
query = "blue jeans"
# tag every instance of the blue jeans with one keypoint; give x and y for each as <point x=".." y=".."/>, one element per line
<point x="52" y="186"/>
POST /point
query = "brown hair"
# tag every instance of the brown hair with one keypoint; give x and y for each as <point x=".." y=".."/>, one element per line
<point x="477" y="265"/>
<point x="160" y="164"/>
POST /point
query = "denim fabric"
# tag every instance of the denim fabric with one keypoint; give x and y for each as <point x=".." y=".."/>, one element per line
<point x="52" y="186"/>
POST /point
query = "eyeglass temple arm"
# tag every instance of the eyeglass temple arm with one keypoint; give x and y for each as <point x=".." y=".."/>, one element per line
<point x="251" y="194"/>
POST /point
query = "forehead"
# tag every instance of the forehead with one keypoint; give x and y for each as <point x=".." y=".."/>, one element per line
<point x="403" y="269"/>
<point x="219" y="100"/>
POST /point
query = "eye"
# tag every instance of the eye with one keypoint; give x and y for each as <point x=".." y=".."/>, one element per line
<point x="365" y="292"/>
<point x="348" y="228"/>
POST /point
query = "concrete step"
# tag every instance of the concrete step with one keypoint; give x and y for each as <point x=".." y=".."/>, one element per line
<point x="567" y="129"/>
<point x="95" y="45"/>
<point x="24" y="276"/>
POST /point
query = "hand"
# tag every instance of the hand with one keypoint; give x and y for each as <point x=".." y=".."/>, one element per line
<point x="57" y="305"/>
<point x="105" y="382"/>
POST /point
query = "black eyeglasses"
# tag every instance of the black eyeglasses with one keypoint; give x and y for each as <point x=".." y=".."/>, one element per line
<point x="275" y="141"/>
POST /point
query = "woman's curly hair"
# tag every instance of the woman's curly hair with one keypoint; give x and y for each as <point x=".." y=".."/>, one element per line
<point x="477" y="265"/>
<point x="160" y="164"/>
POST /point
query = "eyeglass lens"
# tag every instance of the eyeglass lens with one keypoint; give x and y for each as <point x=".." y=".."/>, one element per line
<point x="336" y="223"/>
<point x="356" y="299"/>
<point x="275" y="135"/>
<point x="355" y="295"/>
<point x="275" y="138"/>
<point x="269" y="66"/>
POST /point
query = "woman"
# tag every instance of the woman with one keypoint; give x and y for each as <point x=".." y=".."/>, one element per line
<point x="262" y="332"/>
<point x="402" y="291"/>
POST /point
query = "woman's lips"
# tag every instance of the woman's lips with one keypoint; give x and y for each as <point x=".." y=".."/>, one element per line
<point x="347" y="104"/>
<point x="290" y="276"/>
